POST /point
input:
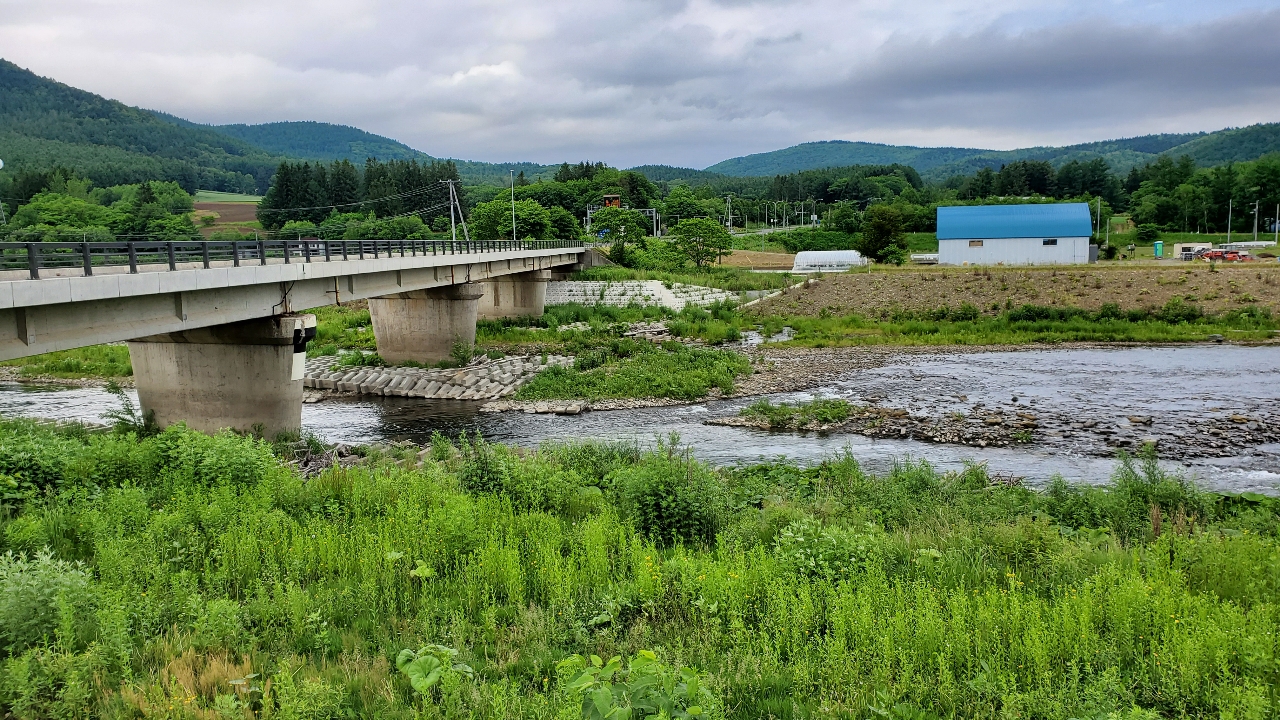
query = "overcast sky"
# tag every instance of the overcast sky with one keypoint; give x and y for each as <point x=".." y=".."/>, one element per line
<point x="681" y="82"/>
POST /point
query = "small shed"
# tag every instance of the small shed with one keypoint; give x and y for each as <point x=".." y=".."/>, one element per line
<point x="812" y="261"/>
<point x="1034" y="234"/>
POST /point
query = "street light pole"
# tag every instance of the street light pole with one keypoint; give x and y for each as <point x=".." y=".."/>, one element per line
<point x="513" y="205"/>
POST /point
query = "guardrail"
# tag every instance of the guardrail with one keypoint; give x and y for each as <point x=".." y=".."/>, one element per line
<point x="35" y="256"/>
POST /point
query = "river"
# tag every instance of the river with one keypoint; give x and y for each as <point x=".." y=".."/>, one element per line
<point x="1177" y="386"/>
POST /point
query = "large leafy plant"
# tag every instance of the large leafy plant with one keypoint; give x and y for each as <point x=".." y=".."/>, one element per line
<point x="427" y="665"/>
<point x="645" y="688"/>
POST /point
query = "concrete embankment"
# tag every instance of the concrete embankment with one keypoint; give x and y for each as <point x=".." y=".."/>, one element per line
<point x="482" y="380"/>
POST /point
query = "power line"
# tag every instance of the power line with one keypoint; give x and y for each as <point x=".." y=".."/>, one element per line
<point x="407" y="193"/>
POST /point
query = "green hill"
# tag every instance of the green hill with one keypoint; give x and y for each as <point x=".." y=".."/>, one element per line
<point x="939" y="163"/>
<point x="310" y="140"/>
<point x="666" y="173"/>
<point x="321" y="141"/>
<point x="44" y="123"/>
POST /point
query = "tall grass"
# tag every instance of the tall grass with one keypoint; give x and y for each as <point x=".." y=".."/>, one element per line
<point x="968" y="325"/>
<point x="199" y="577"/>
<point x="106" y="361"/>
<point x="725" y="277"/>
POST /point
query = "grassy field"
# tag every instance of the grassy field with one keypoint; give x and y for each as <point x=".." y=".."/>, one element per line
<point x="96" y="361"/>
<point x="224" y="197"/>
<point x="187" y="576"/>
<point x="1024" y="325"/>
<point x="626" y="368"/>
<point x="724" y="277"/>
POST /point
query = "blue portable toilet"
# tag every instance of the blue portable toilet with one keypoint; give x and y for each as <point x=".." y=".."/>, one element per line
<point x="1159" y="248"/>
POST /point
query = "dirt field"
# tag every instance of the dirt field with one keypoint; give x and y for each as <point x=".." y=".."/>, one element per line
<point x="760" y="260"/>
<point x="1232" y="286"/>
<point x="228" y="212"/>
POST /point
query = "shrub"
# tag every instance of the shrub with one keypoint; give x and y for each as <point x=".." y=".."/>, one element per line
<point x="807" y="548"/>
<point x="1147" y="233"/>
<point x="34" y="464"/>
<point x="805" y="239"/>
<point x="646" y="688"/>
<point x="38" y="594"/>
<point x="190" y="457"/>
<point x="671" y="500"/>
<point x="484" y="468"/>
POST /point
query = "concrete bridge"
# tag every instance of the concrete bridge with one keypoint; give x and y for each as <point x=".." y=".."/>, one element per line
<point x="215" y="332"/>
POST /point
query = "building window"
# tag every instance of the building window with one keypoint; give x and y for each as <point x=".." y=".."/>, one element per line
<point x="975" y="243"/>
<point x="1054" y="241"/>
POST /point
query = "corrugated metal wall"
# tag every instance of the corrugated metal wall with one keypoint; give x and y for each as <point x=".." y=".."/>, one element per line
<point x="1013" y="251"/>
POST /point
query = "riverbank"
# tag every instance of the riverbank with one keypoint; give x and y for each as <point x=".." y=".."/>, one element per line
<point x="219" y="575"/>
<point x="886" y="291"/>
<point x="1210" y="436"/>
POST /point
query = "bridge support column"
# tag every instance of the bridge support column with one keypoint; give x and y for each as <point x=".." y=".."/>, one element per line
<point x="519" y="295"/>
<point x="424" y="325"/>
<point x="245" y="375"/>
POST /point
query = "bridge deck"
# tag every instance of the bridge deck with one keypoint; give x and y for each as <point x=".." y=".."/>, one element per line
<point x="117" y="302"/>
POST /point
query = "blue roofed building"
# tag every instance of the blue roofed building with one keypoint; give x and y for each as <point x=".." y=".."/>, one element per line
<point x="1040" y="234"/>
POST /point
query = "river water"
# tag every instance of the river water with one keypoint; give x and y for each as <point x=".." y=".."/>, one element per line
<point x="1174" y="385"/>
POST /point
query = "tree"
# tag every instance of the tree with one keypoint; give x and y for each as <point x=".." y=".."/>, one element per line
<point x="984" y="183"/>
<point x="619" y="228"/>
<point x="582" y="171"/>
<point x="564" y="225"/>
<point x="492" y="220"/>
<point x="682" y="204"/>
<point x="882" y="235"/>
<point x="1147" y="233"/>
<point x="702" y="240"/>
<point x="842" y="218"/>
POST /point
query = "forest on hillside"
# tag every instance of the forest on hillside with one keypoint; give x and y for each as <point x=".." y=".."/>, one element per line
<point x="45" y="124"/>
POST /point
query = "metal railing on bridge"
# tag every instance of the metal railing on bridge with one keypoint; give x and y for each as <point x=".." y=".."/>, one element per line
<point x="36" y="256"/>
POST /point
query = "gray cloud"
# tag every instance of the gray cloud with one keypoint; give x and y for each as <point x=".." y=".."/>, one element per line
<point x="1088" y="75"/>
<point x="685" y="82"/>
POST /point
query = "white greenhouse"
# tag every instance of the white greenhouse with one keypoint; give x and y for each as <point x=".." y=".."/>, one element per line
<point x="814" y="261"/>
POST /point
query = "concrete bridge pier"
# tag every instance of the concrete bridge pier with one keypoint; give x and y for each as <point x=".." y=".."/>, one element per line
<point x="244" y="375"/>
<point x="519" y="295"/>
<point x="424" y="325"/>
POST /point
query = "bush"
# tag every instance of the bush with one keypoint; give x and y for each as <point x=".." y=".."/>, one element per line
<point x="484" y="467"/>
<point x="807" y="239"/>
<point x="1147" y="233"/>
<point x="786" y="415"/>
<point x="671" y="500"/>
<point x="807" y="548"/>
<point x="39" y="594"/>
<point x="188" y="457"/>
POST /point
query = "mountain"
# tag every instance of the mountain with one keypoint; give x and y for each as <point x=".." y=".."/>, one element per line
<point x="44" y="123"/>
<point x="663" y="173"/>
<point x="321" y="141"/>
<point x="1230" y="145"/>
<point x="326" y="142"/>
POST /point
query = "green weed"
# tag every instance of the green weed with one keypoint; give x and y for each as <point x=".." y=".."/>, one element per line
<point x="197" y="576"/>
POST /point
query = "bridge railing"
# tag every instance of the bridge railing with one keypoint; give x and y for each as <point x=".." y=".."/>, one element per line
<point x="35" y="256"/>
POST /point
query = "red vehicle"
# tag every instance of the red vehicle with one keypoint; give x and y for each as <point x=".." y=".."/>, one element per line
<point x="1226" y="256"/>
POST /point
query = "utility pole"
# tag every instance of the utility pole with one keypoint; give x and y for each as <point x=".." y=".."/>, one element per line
<point x="513" y="204"/>
<point x="453" y="224"/>
<point x="1255" y="221"/>
<point x="1276" y="224"/>
<point x="1229" y="200"/>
